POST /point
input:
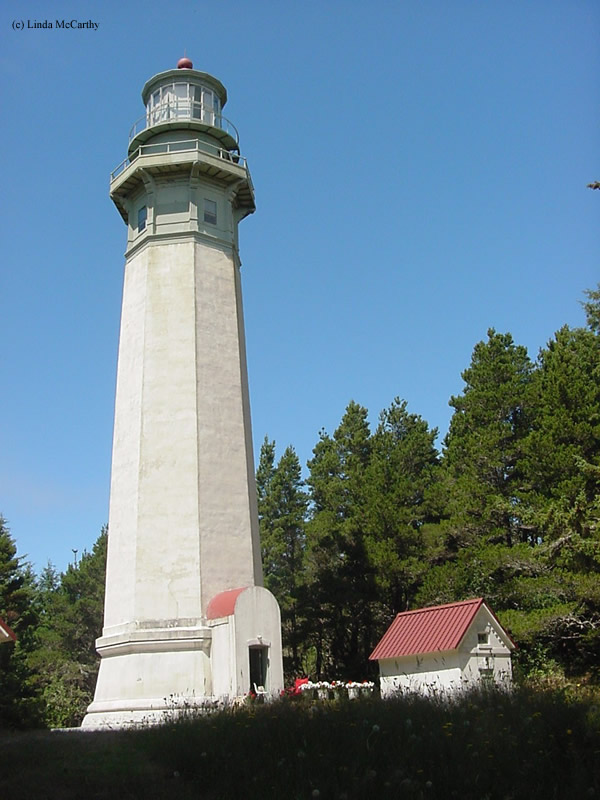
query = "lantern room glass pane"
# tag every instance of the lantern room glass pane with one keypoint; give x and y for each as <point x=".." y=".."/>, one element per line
<point x="183" y="100"/>
<point x="208" y="111"/>
<point x="154" y="107"/>
<point x="168" y="102"/>
<point x="182" y="105"/>
<point x="196" y="94"/>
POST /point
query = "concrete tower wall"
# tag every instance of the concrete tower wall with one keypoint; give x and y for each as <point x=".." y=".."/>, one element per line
<point x="182" y="451"/>
<point x="183" y="522"/>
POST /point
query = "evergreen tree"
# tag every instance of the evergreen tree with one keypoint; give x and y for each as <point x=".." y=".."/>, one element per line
<point x="483" y="448"/>
<point x="562" y="470"/>
<point x="18" y="704"/>
<point x="400" y="499"/>
<point x="563" y="453"/>
<point x="64" y="660"/>
<point x="546" y="483"/>
<point x="282" y="516"/>
<point x="592" y="309"/>
<point x="264" y="476"/>
<point x="341" y="583"/>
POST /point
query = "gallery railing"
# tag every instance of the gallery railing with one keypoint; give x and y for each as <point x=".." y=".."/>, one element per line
<point x="187" y="146"/>
<point x="183" y="109"/>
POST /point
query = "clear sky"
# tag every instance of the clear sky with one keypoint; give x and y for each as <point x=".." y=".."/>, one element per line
<point x="420" y="170"/>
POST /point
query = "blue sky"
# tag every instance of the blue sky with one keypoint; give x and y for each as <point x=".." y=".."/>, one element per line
<point x="420" y="170"/>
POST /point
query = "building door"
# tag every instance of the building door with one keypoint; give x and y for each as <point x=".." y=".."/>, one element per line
<point x="258" y="666"/>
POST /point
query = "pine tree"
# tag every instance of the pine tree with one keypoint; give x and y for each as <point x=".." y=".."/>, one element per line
<point x="341" y="583"/>
<point x="562" y="456"/>
<point x="64" y="661"/>
<point x="264" y="476"/>
<point x="399" y="500"/>
<point x="523" y="480"/>
<point x="485" y="441"/>
<point x="18" y="703"/>
<point x="592" y="309"/>
<point x="282" y="514"/>
<point x="562" y="470"/>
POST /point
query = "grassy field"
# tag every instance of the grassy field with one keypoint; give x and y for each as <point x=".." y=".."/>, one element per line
<point x="542" y="743"/>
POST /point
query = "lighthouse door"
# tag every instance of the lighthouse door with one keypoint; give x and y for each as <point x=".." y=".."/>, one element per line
<point x="258" y="667"/>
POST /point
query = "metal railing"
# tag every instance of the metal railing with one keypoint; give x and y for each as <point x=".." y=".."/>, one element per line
<point x="183" y="109"/>
<point x="186" y="146"/>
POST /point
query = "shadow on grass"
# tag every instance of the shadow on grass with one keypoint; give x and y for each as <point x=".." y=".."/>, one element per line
<point x="483" y="744"/>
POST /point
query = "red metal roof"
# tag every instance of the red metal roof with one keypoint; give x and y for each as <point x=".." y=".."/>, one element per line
<point x="222" y="604"/>
<point x="6" y="633"/>
<point x="427" y="630"/>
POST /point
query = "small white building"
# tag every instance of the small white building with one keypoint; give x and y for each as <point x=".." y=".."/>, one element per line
<point x="246" y="643"/>
<point x="446" y="648"/>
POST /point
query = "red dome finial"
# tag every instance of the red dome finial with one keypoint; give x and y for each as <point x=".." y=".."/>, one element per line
<point x="184" y="63"/>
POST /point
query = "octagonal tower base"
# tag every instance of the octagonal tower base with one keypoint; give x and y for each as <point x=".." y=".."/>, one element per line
<point x="154" y="675"/>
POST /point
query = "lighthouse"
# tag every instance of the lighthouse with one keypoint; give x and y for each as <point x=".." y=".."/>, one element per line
<point x="187" y="622"/>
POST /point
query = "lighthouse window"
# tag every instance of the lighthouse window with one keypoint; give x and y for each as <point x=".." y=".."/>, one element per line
<point x="142" y="217"/>
<point x="156" y="107"/>
<point x="210" y="211"/>
<point x="197" y="101"/>
<point x="208" y="107"/>
<point x="182" y="101"/>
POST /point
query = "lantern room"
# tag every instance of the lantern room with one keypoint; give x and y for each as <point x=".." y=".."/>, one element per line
<point x="184" y="98"/>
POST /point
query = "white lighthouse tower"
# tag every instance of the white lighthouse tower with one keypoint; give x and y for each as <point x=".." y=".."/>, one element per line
<point x="186" y="619"/>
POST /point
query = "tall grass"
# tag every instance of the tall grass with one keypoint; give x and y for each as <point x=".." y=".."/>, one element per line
<point x="483" y="744"/>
